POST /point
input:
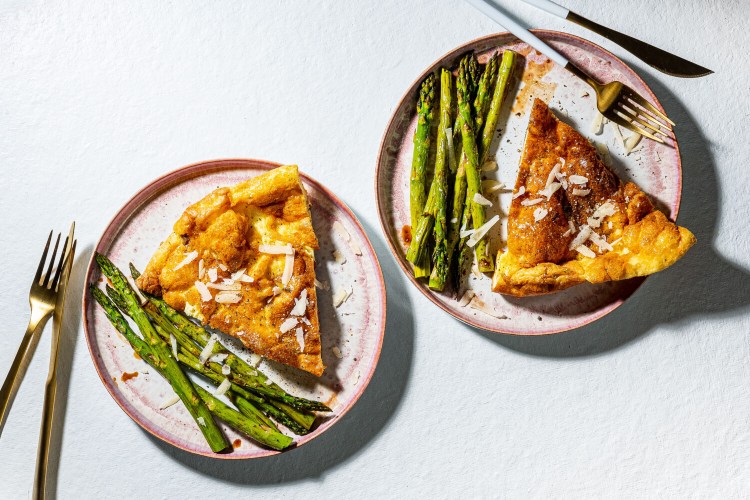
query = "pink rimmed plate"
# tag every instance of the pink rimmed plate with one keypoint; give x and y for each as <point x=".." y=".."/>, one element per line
<point x="654" y="167"/>
<point x="355" y="329"/>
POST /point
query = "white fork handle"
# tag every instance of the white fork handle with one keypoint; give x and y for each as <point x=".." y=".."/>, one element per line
<point x="519" y="31"/>
<point x="549" y="6"/>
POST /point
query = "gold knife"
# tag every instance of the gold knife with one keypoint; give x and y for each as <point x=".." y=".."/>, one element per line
<point x="50" y="390"/>
<point x="653" y="56"/>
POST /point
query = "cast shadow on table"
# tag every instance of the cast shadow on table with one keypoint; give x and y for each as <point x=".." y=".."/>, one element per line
<point x="68" y="343"/>
<point x="358" y="427"/>
<point x="702" y="283"/>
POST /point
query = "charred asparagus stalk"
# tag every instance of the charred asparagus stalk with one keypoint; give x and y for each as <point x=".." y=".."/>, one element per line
<point x="171" y="369"/>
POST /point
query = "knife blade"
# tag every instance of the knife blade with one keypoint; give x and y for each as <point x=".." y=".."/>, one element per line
<point x="653" y="56"/>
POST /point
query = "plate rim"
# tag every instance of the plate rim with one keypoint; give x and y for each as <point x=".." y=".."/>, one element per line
<point x="190" y="171"/>
<point x="432" y="296"/>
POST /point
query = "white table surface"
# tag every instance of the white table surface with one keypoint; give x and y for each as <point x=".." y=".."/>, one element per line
<point x="98" y="98"/>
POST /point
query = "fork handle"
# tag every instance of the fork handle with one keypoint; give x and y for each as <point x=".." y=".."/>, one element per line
<point x="20" y="364"/>
<point x="519" y="31"/>
<point x="45" y="435"/>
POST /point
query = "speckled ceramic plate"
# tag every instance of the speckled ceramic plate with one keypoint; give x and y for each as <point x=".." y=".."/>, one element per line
<point x="356" y="328"/>
<point x="655" y="168"/>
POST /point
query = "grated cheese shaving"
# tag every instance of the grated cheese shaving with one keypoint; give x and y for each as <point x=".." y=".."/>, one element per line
<point x="489" y="166"/>
<point x="481" y="200"/>
<point x="288" y="268"/>
<point x="555" y="172"/>
<point x="300" y="306"/>
<point x="225" y="297"/>
<point x="582" y="236"/>
<point x="631" y="142"/>
<point x="490" y="186"/>
<point x="169" y="402"/>
<point x="341" y="296"/>
<point x="465" y="233"/>
<point x="529" y="202"/>
<point x="276" y="249"/>
<point x="222" y="267"/>
<point x="596" y="125"/>
<point x="520" y="192"/>
<point x="578" y="179"/>
<point x="288" y="324"/>
<point x="482" y="231"/>
<point x="618" y="133"/>
<point x="227" y="287"/>
<point x="321" y="284"/>
<point x="226" y="370"/>
<point x="208" y="349"/>
<point x="451" y="151"/>
<point x="337" y="352"/>
<point x="201" y="269"/>
<point x="540" y="213"/>
<point x="213" y="274"/>
<point x="218" y="358"/>
<point x="580" y="192"/>
<point x="190" y="257"/>
<point x="600" y="242"/>
<point x="203" y="291"/>
<point x="300" y="333"/>
<point x="223" y="387"/>
<point x="201" y="421"/>
<point x="173" y="341"/>
<point x="550" y="190"/>
<point x="479" y="305"/>
<point x="466" y="298"/>
<point x="585" y="251"/>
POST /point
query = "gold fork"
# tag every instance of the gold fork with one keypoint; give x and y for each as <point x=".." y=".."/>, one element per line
<point x="615" y="100"/>
<point x="42" y="298"/>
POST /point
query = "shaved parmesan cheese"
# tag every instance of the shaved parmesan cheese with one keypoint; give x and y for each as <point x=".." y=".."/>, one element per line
<point x="615" y="242"/>
<point x="288" y="324"/>
<point x="201" y="269"/>
<point x="465" y="233"/>
<point x="481" y="200"/>
<point x="169" y="402"/>
<point x="339" y="257"/>
<point x="479" y="305"/>
<point x="300" y="306"/>
<point x="571" y="225"/>
<point x="337" y="352"/>
<point x="208" y="349"/>
<point x="603" y="152"/>
<point x="582" y="236"/>
<point x="625" y="251"/>
<point x="276" y="249"/>
<point x="618" y="133"/>
<point x="580" y="192"/>
<point x="585" y="251"/>
<point x="320" y="284"/>
<point x="288" y="269"/>
<point x="596" y="125"/>
<point x="255" y="360"/>
<point x="226" y="370"/>
<point x="466" y="298"/>
<point x="341" y="296"/>
<point x="540" y="213"/>
<point x="552" y="174"/>
<point x="631" y="142"/>
<point x="578" y="179"/>
<point x="246" y="279"/>
<point x="604" y="210"/>
<point x="223" y="387"/>
<point x="520" y="192"/>
<point x="201" y="421"/>
<point x="234" y="287"/>
<point x="305" y="320"/>
<point x="482" y="231"/>
<point x="550" y="190"/>
<point x="141" y="299"/>
<point x="489" y="166"/>
<point x="567" y="233"/>
<point x="600" y="242"/>
<point x="339" y="228"/>
<point x="222" y="267"/>
<point x="276" y="290"/>
<point x="213" y="274"/>
<point x="529" y="202"/>
<point x="490" y="186"/>
<point x="228" y="297"/>
<point x="173" y="341"/>
<point x="203" y="291"/>
<point x="300" y="333"/>
<point x="218" y="358"/>
<point x="238" y="275"/>
<point x="190" y="257"/>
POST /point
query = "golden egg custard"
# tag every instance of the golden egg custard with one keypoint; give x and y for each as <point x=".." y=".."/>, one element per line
<point x="572" y="220"/>
<point x="241" y="261"/>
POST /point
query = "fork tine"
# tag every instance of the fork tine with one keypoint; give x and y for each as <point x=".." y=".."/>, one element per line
<point x="636" y="97"/>
<point x="633" y="113"/>
<point x="68" y="248"/>
<point x="38" y="275"/>
<point x="639" y="111"/>
<point x="51" y="262"/>
<point x="622" y="119"/>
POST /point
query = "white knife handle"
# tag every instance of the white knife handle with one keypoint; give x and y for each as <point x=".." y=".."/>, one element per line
<point x="519" y="31"/>
<point x="549" y="6"/>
